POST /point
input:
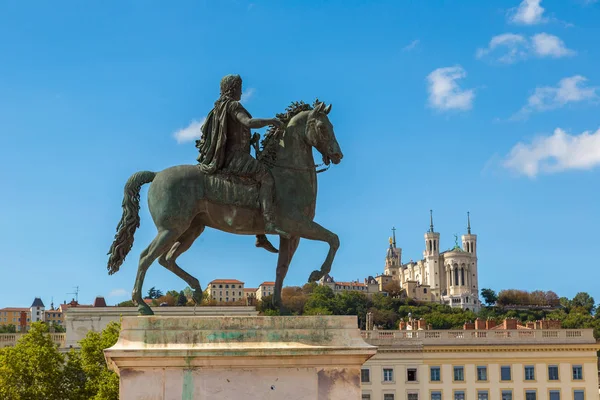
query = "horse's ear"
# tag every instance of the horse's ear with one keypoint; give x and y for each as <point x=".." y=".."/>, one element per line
<point x="327" y="109"/>
<point x="319" y="107"/>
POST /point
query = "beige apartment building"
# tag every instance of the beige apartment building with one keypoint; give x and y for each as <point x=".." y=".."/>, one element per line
<point x="519" y="363"/>
<point x="226" y="290"/>
<point x="265" y="289"/>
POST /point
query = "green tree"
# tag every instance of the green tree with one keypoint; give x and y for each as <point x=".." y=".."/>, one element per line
<point x="181" y="299"/>
<point x="584" y="300"/>
<point x="10" y="328"/>
<point x="489" y="296"/>
<point x="101" y="382"/>
<point x="35" y="369"/>
<point x="127" y="303"/>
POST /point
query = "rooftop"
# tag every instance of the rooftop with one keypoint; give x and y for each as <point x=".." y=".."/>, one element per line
<point x="14" y="309"/>
<point x="37" y="302"/>
<point x="267" y="284"/>
<point x="227" y="281"/>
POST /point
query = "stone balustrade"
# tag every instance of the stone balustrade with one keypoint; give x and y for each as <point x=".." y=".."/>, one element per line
<point x="10" y="339"/>
<point x="475" y="337"/>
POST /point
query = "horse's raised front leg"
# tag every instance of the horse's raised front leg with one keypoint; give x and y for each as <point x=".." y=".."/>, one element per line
<point x="313" y="231"/>
<point x="161" y="243"/>
<point x="287" y="248"/>
<point x="183" y="243"/>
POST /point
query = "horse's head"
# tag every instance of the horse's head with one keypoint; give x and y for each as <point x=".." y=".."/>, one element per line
<point x="320" y="135"/>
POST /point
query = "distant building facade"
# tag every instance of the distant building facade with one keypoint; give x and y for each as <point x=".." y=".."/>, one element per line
<point x="265" y="289"/>
<point x="226" y="290"/>
<point x="508" y="361"/>
<point x="448" y="277"/>
<point x="369" y="286"/>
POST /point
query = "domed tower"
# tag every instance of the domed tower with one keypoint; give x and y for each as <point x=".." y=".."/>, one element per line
<point x="469" y="244"/>
<point x="432" y="257"/>
<point x="393" y="258"/>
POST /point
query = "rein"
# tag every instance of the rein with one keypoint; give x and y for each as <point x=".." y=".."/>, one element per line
<point x="309" y="124"/>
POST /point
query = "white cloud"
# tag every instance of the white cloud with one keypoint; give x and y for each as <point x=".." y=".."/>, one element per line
<point x="445" y="93"/>
<point x="118" y="293"/>
<point x="509" y="48"/>
<point x="190" y="132"/>
<point x="569" y="90"/>
<point x="515" y="46"/>
<point x="529" y="12"/>
<point x="545" y="45"/>
<point x="555" y="153"/>
<point x="247" y="94"/>
<point x="411" y="45"/>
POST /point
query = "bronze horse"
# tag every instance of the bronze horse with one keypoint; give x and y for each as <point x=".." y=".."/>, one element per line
<point x="183" y="202"/>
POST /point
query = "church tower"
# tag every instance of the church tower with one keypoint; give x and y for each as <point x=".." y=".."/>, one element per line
<point x="469" y="244"/>
<point x="393" y="258"/>
<point x="432" y="257"/>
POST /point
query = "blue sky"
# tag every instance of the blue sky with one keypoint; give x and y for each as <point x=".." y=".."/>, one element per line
<point x="480" y="106"/>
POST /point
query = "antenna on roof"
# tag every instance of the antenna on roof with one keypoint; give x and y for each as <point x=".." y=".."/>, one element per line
<point x="76" y="293"/>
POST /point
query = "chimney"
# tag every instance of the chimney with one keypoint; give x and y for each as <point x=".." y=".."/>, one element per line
<point x="421" y="324"/>
<point x="479" y="324"/>
<point x="510" y="324"/>
<point x="490" y="324"/>
<point x="469" y="326"/>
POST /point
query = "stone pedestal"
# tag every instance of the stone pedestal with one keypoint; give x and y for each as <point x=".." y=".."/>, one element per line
<point x="217" y="358"/>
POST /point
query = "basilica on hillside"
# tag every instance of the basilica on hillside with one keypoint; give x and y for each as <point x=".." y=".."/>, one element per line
<point x="447" y="277"/>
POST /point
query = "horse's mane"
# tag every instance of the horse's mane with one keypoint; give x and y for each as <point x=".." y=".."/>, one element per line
<point x="268" y="153"/>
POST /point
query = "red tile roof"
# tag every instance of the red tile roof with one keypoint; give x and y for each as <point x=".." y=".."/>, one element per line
<point x="250" y="289"/>
<point x="267" y="284"/>
<point x="354" y="284"/>
<point x="14" y="309"/>
<point x="227" y="281"/>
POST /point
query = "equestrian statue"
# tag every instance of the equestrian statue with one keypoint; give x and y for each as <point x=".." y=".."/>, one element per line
<point x="229" y="190"/>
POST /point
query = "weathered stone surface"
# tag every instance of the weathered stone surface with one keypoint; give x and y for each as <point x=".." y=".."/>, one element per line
<point x="316" y="357"/>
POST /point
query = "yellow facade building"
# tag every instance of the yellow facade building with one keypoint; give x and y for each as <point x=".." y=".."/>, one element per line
<point x="497" y="364"/>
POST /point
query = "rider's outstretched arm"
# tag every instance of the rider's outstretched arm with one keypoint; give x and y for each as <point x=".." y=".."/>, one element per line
<point x="255" y="123"/>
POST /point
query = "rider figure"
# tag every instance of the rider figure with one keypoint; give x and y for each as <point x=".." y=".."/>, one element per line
<point x="225" y="147"/>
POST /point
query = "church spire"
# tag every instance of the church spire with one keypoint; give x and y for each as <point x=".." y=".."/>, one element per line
<point x="468" y="223"/>
<point x="394" y="236"/>
<point x="431" y="221"/>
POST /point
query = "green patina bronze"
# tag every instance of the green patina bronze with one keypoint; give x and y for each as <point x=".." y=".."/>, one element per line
<point x="231" y="191"/>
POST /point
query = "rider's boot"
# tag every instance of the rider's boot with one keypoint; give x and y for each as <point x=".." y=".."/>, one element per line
<point x="263" y="241"/>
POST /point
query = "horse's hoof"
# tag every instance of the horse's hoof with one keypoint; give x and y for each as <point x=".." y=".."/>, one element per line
<point x="315" y="276"/>
<point x="145" y="310"/>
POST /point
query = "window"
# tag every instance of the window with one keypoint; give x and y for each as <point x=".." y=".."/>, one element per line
<point x="507" y="395"/>
<point x="482" y="374"/>
<point x="530" y="395"/>
<point x="365" y="376"/>
<point x="388" y="396"/>
<point x="459" y="395"/>
<point x="366" y="396"/>
<point x="529" y="373"/>
<point x="577" y="372"/>
<point x="505" y="373"/>
<point x="233" y="286"/>
<point x="578" y="395"/>
<point x="226" y="286"/>
<point x="555" y="395"/>
<point x="434" y="373"/>
<point x="482" y="395"/>
<point x="412" y="396"/>
<point x="552" y="372"/>
<point x="388" y="375"/>
<point x="411" y="375"/>
<point x="436" y="395"/>
<point x="459" y="373"/>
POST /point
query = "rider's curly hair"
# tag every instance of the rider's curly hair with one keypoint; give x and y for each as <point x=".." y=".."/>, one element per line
<point x="229" y="84"/>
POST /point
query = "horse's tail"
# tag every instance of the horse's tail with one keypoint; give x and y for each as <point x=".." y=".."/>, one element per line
<point x="130" y="220"/>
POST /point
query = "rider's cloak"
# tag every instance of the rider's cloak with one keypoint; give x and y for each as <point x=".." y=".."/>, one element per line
<point x="214" y="137"/>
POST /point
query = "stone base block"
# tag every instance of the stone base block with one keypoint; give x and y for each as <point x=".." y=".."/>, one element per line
<point x="218" y="358"/>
